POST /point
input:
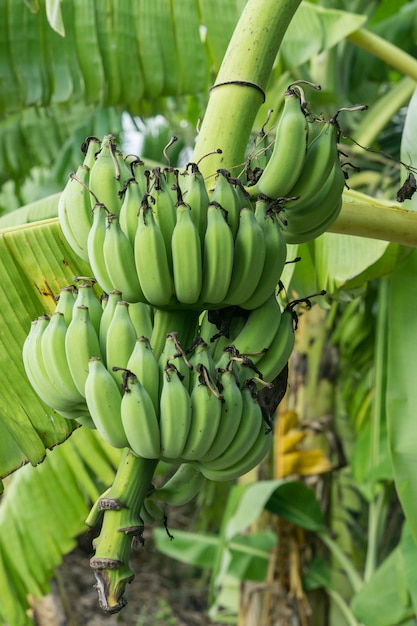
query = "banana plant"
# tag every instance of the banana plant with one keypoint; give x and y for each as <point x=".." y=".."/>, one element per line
<point x="48" y="89"/>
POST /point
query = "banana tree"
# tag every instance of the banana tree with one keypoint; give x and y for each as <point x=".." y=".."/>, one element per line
<point x="65" y="77"/>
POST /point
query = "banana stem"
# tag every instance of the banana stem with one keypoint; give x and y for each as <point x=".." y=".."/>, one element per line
<point x="241" y="82"/>
<point x="376" y="221"/>
<point x="121" y="504"/>
<point x="386" y="51"/>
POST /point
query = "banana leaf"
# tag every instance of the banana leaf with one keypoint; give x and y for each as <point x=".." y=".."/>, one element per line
<point x="53" y="82"/>
<point x="49" y="137"/>
<point x="35" y="262"/>
<point x="401" y="388"/>
<point x="62" y="489"/>
<point x="385" y="599"/>
<point x="40" y="66"/>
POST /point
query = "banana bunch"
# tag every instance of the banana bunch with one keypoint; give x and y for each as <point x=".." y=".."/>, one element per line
<point x="58" y="347"/>
<point x="304" y="170"/>
<point x="197" y="406"/>
<point x="161" y="237"/>
<point x="92" y="361"/>
<point x="180" y="407"/>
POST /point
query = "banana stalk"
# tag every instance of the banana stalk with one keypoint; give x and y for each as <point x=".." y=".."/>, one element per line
<point x="367" y="217"/>
<point x="121" y="524"/>
<point x="239" y="89"/>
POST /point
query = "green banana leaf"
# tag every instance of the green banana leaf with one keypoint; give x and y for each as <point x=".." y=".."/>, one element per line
<point x="234" y="554"/>
<point x="35" y="262"/>
<point x="401" y="388"/>
<point x="40" y="66"/>
<point x="339" y="263"/>
<point x="62" y="489"/>
<point x="249" y="557"/>
<point x="386" y="598"/>
<point x="53" y="82"/>
<point x="49" y="137"/>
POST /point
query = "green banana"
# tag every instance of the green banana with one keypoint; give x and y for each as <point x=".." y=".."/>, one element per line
<point x="200" y="354"/>
<point x="74" y="211"/>
<point x="81" y="343"/>
<point x="231" y="413"/>
<point x="245" y="464"/>
<point x="141" y="315"/>
<point x="120" y="341"/>
<point x="249" y="258"/>
<point x="287" y="159"/>
<point x="172" y="183"/>
<point x="275" y="254"/>
<point x="228" y="331"/>
<point x="139" y="419"/>
<point x="186" y="257"/>
<point x="184" y="485"/>
<point x="224" y="194"/>
<point x="246" y="435"/>
<point x="259" y="330"/>
<point x="129" y="210"/>
<point x="87" y="297"/>
<point x="120" y="261"/>
<point x="143" y="363"/>
<point x="104" y="399"/>
<point x="319" y="229"/>
<point x="174" y="414"/>
<point x="151" y="259"/>
<point x="89" y="147"/>
<point x="164" y="208"/>
<point x="55" y="358"/>
<point x="124" y="169"/>
<point x="151" y="512"/>
<point x="95" y="243"/>
<point x="243" y="199"/>
<point x="321" y="155"/>
<point x="64" y="223"/>
<point x="65" y="303"/>
<point x="218" y="255"/>
<point x="228" y="361"/>
<point x="81" y="415"/>
<point x="195" y="194"/>
<point x="35" y="367"/>
<point x="105" y="177"/>
<point x="113" y="298"/>
<point x="141" y="175"/>
<point x="206" y="409"/>
<point x="206" y="329"/>
<point x="174" y="354"/>
<point x="280" y="348"/>
<point x="259" y="154"/>
<point x="304" y="224"/>
<point x="184" y="321"/>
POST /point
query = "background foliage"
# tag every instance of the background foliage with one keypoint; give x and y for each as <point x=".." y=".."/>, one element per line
<point x="73" y="69"/>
